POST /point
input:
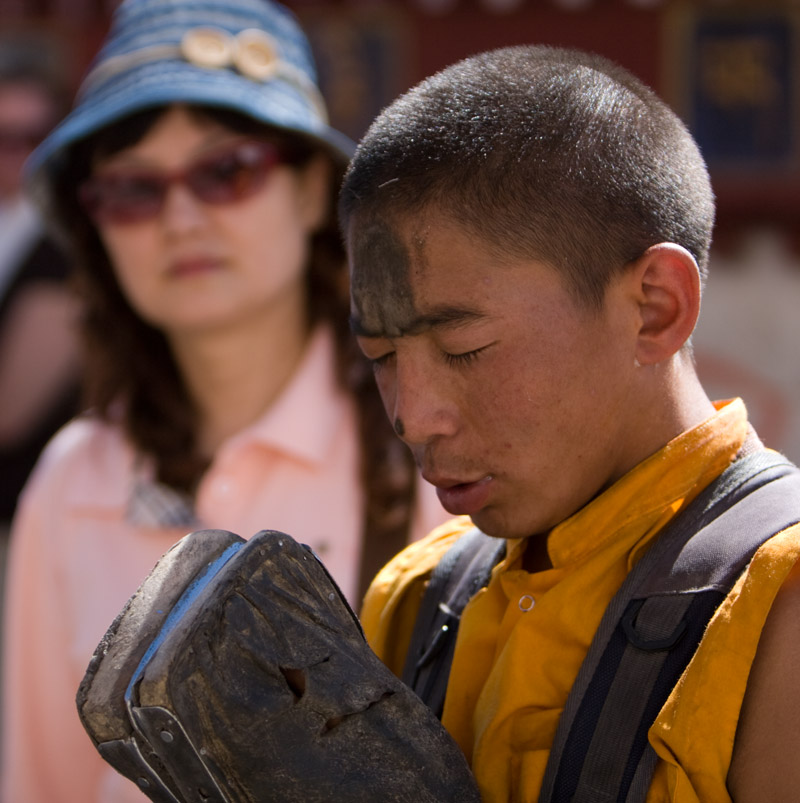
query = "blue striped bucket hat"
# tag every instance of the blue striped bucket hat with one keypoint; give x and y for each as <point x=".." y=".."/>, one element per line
<point x="247" y="55"/>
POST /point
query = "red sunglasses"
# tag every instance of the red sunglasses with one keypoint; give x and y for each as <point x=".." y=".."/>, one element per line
<point x="227" y="175"/>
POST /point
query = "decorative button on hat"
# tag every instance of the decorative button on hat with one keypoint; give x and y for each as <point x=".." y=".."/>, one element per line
<point x="256" y="55"/>
<point x="207" y="47"/>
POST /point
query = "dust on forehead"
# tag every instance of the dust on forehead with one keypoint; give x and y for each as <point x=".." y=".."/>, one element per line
<point x="380" y="281"/>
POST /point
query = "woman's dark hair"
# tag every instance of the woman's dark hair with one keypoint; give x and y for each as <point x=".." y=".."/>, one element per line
<point x="132" y="377"/>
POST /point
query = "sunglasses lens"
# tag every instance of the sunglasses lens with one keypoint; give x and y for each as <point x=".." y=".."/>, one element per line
<point x="229" y="175"/>
<point x="234" y="174"/>
<point x="123" y="198"/>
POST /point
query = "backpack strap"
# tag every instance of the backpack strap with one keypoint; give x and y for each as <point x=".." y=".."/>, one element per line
<point x="653" y="627"/>
<point x="462" y="571"/>
<point x="647" y="636"/>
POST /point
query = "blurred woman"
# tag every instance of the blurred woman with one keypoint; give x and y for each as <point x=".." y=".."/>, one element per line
<point x="195" y="181"/>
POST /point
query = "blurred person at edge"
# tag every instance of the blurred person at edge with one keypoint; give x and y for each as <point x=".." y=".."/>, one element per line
<point x="195" y="177"/>
<point x="38" y="343"/>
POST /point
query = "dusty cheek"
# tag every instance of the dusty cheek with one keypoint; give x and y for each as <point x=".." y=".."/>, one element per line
<point x="536" y="439"/>
<point x="502" y="428"/>
<point x="513" y="410"/>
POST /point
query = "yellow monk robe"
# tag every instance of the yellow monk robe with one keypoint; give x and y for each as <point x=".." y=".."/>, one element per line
<point x="523" y="638"/>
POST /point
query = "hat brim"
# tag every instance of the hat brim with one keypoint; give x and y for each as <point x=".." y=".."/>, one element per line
<point x="274" y="102"/>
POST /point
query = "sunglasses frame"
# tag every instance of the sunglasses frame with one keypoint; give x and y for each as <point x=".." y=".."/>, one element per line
<point x="253" y="159"/>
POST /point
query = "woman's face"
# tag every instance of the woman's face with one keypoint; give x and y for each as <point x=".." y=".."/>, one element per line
<point x="194" y="266"/>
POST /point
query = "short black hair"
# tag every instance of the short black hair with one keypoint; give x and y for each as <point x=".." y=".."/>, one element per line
<point x="547" y="153"/>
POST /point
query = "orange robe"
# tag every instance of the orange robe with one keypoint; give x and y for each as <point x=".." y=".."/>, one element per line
<point x="523" y="638"/>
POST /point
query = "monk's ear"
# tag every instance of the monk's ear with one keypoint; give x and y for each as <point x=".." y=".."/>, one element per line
<point x="667" y="286"/>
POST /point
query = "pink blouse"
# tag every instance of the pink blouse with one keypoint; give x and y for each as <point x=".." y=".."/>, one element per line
<point x="90" y="528"/>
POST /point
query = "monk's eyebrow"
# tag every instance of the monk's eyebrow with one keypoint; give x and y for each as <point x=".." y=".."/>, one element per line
<point x="444" y="317"/>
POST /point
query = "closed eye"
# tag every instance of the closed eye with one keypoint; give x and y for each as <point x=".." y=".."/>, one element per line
<point x="467" y="357"/>
<point x="379" y="362"/>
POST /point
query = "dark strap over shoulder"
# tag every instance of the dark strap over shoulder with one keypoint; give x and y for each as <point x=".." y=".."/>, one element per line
<point x="647" y="636"/>
<point x="653" y="626"/>
<point x="463" y="570"/>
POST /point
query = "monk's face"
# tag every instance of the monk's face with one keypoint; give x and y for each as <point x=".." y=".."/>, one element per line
<point x="511" y="395"/>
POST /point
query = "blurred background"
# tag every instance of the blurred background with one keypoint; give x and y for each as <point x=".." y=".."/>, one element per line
<point x="729" y="67"/>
